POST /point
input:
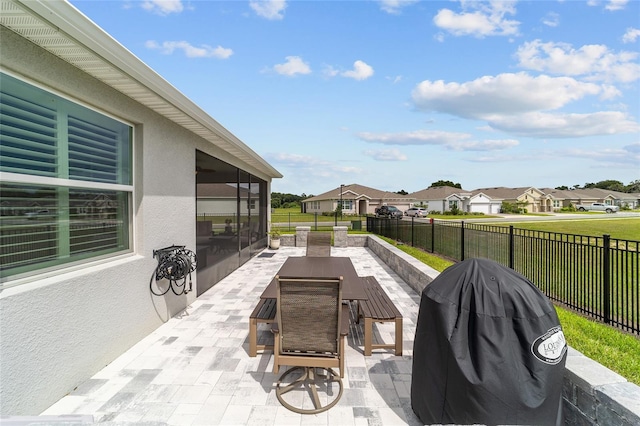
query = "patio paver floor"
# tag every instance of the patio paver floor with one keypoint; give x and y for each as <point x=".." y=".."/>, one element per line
<point x="195" y="368"/>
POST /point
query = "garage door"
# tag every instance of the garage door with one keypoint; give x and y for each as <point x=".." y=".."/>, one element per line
<point x="481" y="208"/>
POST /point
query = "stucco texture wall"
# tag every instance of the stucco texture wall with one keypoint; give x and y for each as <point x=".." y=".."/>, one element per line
<point x="57" y="330"/>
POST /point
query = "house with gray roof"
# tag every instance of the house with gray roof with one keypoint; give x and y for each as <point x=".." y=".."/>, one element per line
<point x="356" y="199"/>
<point x="559" y="198"/>
<point x="442" y="198"/>
<point x="529" y="198"/>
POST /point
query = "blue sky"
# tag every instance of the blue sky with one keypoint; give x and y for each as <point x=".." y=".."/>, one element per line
<point x="397" y="94"/>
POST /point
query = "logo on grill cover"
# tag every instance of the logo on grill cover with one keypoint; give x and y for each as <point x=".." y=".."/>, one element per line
<point x="550" y="347"/>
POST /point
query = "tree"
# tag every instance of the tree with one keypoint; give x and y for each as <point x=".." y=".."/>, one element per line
<point x="279" y="199"/>
<point x="402" y="192"/>
<point x="611" y="185"/>
<point x="562" y="188"/>
<point x="633" y="186"/>
<point x="445" y="183"/>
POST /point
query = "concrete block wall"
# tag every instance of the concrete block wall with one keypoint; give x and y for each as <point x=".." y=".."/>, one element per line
<point x="592" y="394"/>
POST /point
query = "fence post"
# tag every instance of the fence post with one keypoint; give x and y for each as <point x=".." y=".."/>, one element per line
<point x="433" y="236"/>
<point x="289" y="229"/>
<point x="412" y="230"/>
<point x="511" y="247"/>
<point x="606" y="278"/>
<point x="315" y="219"/>
<point x="461" y="240"/>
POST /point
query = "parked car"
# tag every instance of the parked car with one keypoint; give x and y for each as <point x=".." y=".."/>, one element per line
<point x="416" y="212"/>
<point x="389" y="211"/>
<point x="39" y="214"/>
<point x="597" y="207"/>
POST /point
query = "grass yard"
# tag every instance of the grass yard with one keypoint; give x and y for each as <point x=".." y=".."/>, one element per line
<point x="620" y="228"/>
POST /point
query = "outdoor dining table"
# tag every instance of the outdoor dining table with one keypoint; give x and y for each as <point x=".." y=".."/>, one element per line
<point x="321" y="267"/>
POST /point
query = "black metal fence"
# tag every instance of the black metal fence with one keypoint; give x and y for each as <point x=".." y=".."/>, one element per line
<point x="596" y="276"/>
<point x="289" y="221"/>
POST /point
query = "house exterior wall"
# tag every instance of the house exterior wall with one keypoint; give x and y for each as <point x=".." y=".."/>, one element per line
<point x="483" y="204"/>
<point x="323" y="206"/>
<point x="58" y="329"/>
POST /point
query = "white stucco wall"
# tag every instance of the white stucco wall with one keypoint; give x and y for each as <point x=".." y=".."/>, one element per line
<point x="56" y="331"/>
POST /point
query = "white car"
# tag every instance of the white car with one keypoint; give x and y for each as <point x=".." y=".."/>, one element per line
<point x="416" y="212"/>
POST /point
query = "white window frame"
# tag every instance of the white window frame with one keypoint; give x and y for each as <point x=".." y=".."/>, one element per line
<point x="53" y="182"/>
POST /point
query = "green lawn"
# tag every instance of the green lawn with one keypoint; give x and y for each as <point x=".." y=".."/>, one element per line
<point x="623" y="228"/>
<point x="616" y="350"/>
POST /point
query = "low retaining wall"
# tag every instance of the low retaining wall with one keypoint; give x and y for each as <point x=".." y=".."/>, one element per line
<point x="592" y="394"/>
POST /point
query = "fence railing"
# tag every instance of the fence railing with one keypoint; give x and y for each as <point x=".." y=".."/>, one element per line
<point x="317" y="221"/>
<point x="596" y="276"/>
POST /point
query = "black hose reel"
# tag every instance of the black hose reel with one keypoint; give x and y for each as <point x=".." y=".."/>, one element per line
<point x="174" y="264"/>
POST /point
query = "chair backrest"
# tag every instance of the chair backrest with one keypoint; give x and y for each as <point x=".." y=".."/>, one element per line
<point x="309" y="315"/>
<point x="319" y="244"/>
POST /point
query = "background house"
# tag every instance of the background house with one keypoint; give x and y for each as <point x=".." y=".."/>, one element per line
<point x="356" y="199"/>
<point x="528" y="198"/>
<point x="479" y="202"/>
<point x="559" y="198"/>
<point x="116" y="156"/>
<point x="442" y="198"/>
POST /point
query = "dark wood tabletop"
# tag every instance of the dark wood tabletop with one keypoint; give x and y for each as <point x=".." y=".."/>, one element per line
<point x="321" y="267"/>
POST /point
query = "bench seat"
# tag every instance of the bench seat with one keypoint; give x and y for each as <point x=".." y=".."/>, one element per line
<point x="265" y="313"/>
<point x="378" y="308"/>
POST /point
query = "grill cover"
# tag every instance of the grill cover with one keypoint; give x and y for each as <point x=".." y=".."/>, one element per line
<point x="488" y="349"/>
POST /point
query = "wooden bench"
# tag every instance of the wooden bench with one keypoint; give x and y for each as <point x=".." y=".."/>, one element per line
<point x="265" y="313"/>
<point x="378" y="308"/>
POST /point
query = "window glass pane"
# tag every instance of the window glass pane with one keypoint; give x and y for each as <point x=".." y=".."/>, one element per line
<point x="98" y="221"/>
<point x="42" y="227"/>
<point x="98" y="149"/>
<point x="45" y="135"/>
<point x="28" y="130"/>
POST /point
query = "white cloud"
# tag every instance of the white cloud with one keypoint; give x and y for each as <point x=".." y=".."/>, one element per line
<point x="294" y="65"/>
<point x="552" y="19"/>
<point x="163" y="7"/>
<point x="304" y="166"/>
<point x="611" y="5"/>
<point x="329" y="71"/>
<point x="385" y="154"/>
<point x="417" y="137"/>
<point x="625" y="157"/>
<point x="616" y="4"/>
<point x="543" y="125"/>
<point x="516" y="103"/>
<point x="631" y="35"/>
<point x="503" y="94"/>
<point x="394" y="6"/>
<point x="204" y="51"/>
<point x="485" y="145"/>
<point x="451" y="140"/>
<point x="269" y="9"/>
<point x="594" y="61"/>
<point x="360" y="71"/>
<point x="479" y="19"/>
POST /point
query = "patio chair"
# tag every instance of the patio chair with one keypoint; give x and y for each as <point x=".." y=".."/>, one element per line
<point x="309" y="336"/>
<point x="319" y="244"/>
